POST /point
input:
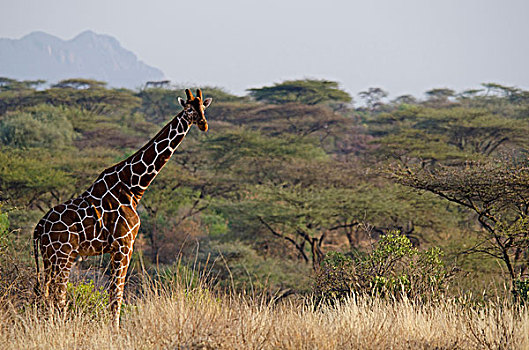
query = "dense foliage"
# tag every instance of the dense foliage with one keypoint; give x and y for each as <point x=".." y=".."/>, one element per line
<point x="393" y="268"/>
<point x="285" y="176"/>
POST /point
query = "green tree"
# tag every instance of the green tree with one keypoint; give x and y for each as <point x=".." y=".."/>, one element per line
<point x="497" y="192"/>
<point x="428" y="135"/>
<point x="170" y="212"/>
<point x="79" y="84"/>
<point x="90" y="95"/>
<point x="158" y="104"/>
<point x="334" y="131"/>
<point x="373" y="97"/>
<point x="405" y="99"/>
<point x="440" y="95"/>
<point x="306" y="91"/>
<point x="7" y="84"/>
<point x="30" y="180"/>
<point x="15" y="95"/>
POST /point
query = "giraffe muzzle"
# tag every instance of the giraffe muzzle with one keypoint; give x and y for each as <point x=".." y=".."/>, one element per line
<point x="203" y="126"/>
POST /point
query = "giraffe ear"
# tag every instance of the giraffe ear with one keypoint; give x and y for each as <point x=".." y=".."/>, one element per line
<point x="181" y="101"/>
<point x="207" y="102"/>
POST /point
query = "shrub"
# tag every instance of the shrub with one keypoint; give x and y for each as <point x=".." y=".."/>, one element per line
<point x="16" y="274"/>
<point x="87" y="299"/>
<point x="521" y="290"/>
<point x="393" y="268"/>
<point x="39" y="126"/>
<point x="336" y="277"/>
<point x="4" y="227"/>
<point x="179" y="276"/>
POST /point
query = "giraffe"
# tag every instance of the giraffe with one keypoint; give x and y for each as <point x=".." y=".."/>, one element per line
<point x="103" y="219"/>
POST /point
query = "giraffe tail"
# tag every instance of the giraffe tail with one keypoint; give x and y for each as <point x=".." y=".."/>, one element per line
<point x="36" y="239"/>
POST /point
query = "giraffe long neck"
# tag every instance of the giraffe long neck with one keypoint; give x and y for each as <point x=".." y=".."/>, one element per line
<point x="146" y="163"/>
<point x="132" y="176"/>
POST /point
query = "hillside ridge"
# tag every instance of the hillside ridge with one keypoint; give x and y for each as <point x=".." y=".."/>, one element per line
<point x="40" y="55"/>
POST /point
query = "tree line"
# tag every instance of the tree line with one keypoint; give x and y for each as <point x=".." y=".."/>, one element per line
<point x="287" y="174"/>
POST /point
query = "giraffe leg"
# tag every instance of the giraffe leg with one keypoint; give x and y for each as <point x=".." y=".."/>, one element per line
<point x="55" y="285"/>
<point x="47" y="278"/>
<point x="120" y="264"/>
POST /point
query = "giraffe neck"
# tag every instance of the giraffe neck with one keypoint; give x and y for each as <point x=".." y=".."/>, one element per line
<point x="146" y="163"/>
<point x="132" y="176"/>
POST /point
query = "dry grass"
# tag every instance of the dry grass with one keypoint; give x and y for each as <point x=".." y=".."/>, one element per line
<point x="198" y="320"/>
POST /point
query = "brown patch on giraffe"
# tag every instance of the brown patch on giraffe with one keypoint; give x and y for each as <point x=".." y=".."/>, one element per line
<point x="77" y="201"/>
<point x="45" y="240"/>
<point x="139" y="168"/>
<point x="112" y="178"/>
<point x="56" y="246"/>
<point x="135" y="180"/>
<point x="74" y="237"/>
<point x="125" y="173"/>
<point x="69" y="217"/>
<point x="150" y="155"/>
<point x="64" y="252"/>
<point x="109" y="202"/>
<point x="110" y="217"/>
<point x="180" y="130"/>
<point x="53" y="216"/>
<point x="98" y="190"/>
<point x="162" y="145"/>
<point x="124" y="196"/>
<point x="163" y="158"/>
<point x="63" y="237"/>
<point x="58" y="227"/>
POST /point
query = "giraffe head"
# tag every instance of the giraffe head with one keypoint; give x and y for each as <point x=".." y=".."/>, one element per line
<point x="194" y="108"/>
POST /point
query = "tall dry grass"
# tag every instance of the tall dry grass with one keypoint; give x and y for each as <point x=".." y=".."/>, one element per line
<point x="179" y="319"/>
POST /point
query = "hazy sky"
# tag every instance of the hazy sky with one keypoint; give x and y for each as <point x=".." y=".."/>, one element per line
<point x="403" y="46"/>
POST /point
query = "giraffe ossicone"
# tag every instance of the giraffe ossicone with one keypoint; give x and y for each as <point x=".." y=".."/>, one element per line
<point x="103" y="219"/>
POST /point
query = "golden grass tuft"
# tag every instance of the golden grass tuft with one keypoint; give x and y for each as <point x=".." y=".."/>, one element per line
<point x="173" y="319"/>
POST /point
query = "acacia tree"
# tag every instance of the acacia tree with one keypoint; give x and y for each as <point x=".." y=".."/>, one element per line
<point x="173" y="206"/>
<point x="308" y="91"/>
<point x="497" y="193"/>
<point x="405" y="99"/>
<point x="373" y="97"/>
<point x="15" y="94"/>
<point x="301" y="217"/>
<point x="440" y="96"/>
<point x="430" y="135"/>
<point x="325" y="214"/>
<point x="89" y="95"/>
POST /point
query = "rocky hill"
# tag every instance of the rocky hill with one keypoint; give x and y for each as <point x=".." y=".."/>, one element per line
<point x="89" y="55"/>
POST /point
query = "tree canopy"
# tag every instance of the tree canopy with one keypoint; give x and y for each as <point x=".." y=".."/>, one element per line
<point x="286" y="174"/>
<point x="308" y="91"/>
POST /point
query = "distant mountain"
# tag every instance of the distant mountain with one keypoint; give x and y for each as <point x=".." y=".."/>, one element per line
<point x="89" y="55"/>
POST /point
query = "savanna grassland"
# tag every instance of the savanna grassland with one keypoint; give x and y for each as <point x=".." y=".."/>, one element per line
<point x="302" y="219"/>
<point x="195" y="320"/>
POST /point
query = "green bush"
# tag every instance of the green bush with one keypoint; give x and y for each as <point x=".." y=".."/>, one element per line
<point x="39" y="126"/>
<point x="336" y="277"/>
<point x="216" y="224"/>
<point x="5" y="252"/>
<point x="521" y="290"/>
<point x="4" y="228"/>
<point x="87" y="299"/>
<point x="179" y="276"/>
<point x="393" y="268"/>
